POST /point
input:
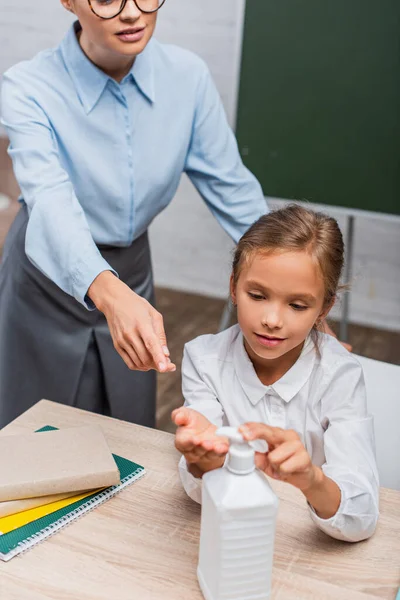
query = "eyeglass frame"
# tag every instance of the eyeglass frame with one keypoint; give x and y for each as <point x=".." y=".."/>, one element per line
<point x="123" y="4"/>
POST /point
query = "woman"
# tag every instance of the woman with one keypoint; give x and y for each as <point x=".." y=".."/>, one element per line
<point x="101" y="129"/>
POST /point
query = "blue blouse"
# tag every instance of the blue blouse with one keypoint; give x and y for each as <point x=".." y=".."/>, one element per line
<point x="97" y="160"/>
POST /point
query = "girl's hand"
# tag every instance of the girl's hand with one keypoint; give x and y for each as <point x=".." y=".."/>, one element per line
<point x="286" y="459"/>
<point x="136" y="328"/>
<point x="196" y="440"/>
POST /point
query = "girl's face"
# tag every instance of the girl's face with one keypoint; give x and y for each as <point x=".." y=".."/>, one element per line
<point x="106" y="36"/>
<point x="279" y="297"/>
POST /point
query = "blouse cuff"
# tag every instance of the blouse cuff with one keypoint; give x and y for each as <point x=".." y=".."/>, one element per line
<point x="344" y="526"/>
<point x="82" y="280"/>
<point x="192" y="485"/>
<point x="334" y="525"/>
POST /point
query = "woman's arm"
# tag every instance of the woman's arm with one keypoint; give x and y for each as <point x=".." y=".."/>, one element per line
<point x="58" y="239"/>
<point x="215" y="167"/>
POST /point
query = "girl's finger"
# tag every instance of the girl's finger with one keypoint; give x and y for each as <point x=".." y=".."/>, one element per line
<point x="283" y="452"/>
<point x="220" y="449"/>
<point x="195" y="455"/>
<point x="274" y="436"/>
<point x="213" y="445"/>
<point x="216" y="446"/>
<point x="212" y="456"/>
<point x="259" y="431"/>
<point x="183" y="441"/>
<point x="261" y="461"/>
<point x="295" y="464"/>
<point x="181" y="416"/>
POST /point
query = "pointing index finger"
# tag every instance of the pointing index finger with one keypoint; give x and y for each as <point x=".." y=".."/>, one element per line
<point x="259" y="431"/>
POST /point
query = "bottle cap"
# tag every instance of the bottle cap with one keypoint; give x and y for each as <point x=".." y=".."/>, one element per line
<point x="241" y="454"/>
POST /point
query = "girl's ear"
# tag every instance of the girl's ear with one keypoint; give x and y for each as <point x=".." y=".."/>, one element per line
<point x="68" y="5"/>
<point x="232" y="288"/>
<point x="325" y="312"/>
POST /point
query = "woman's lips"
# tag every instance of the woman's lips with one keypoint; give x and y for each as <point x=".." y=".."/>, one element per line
<point x="269" y="342"/>
<point x="134" y="35"/>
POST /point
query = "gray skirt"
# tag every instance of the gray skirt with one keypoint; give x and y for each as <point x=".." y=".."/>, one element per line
<point x="52" y="347"/>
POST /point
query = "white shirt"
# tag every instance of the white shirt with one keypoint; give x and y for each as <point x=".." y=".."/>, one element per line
<point x="322" y="397"/>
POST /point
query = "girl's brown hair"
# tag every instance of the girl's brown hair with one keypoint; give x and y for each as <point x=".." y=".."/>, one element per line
<point x="295" y="228"/>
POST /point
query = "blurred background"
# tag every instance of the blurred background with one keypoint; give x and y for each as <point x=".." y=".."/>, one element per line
<point x="191" y="253"/>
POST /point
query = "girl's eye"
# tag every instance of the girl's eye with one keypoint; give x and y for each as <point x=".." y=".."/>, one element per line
<point x="256" y="296"/>
<point x="298" y="306"/>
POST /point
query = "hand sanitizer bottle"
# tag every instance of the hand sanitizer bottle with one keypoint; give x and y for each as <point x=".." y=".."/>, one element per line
<point x="237" y="534"/>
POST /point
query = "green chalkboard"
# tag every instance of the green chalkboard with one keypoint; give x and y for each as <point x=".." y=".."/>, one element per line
<point x="319" y="100"/>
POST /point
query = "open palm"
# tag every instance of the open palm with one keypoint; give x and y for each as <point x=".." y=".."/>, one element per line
<point x="197" y="441"/>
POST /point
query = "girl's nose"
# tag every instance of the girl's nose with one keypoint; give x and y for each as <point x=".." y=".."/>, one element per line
<point x="272" y="318"/>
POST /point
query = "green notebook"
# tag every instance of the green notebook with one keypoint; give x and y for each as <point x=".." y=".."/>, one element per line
<point x="29" y="535"/>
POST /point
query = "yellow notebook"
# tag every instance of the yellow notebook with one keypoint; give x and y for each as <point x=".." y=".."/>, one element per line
<point x="10" y="507"/>
<point x="12" y="522"/>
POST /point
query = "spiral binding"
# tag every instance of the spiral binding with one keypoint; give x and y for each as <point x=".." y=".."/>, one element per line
<point x="100" y="498"/>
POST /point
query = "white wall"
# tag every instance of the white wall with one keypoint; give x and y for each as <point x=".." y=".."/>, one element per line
<point x="26" y="27"/>
<point x="190" y="250"/>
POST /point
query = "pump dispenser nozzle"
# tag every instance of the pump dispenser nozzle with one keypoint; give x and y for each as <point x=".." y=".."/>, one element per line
<point x="241" y="454"/>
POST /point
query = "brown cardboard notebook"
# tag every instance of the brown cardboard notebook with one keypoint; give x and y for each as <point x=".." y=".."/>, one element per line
<point x="55" y="462"/>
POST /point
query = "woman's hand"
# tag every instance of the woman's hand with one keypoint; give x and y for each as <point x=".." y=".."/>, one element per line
<point x="196" y="440"/>
<point x="288" y="460"/>
<point x="136" y="327"/>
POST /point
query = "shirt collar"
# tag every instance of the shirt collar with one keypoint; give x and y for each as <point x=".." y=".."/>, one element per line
<point x="142" y="72"/>
<point x="90" y="81"/>
<point x="286" y="387"/>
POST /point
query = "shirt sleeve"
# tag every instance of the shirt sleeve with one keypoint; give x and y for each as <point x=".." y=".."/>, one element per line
<point x="214" y="165"/>
<point x="198" y="396"/>
<point x="350" y="457"/>
<point x="58" y="239"/>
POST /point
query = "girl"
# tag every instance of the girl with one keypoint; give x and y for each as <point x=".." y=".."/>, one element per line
<point x="101" y="129"/>
<point x="302" y="392"/>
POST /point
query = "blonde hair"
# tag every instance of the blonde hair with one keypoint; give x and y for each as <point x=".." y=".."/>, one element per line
<point x="295" y="228"/>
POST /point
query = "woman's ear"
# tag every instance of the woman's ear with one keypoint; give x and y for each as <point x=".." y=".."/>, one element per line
<point x="68" y="5"/>
<point x="232" y="288"/>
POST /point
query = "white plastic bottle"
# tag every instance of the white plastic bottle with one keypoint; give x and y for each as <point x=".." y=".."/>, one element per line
<point x="239" y="510"/>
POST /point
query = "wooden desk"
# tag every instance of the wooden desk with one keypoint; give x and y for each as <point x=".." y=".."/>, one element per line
<point x="143" y="544"/>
